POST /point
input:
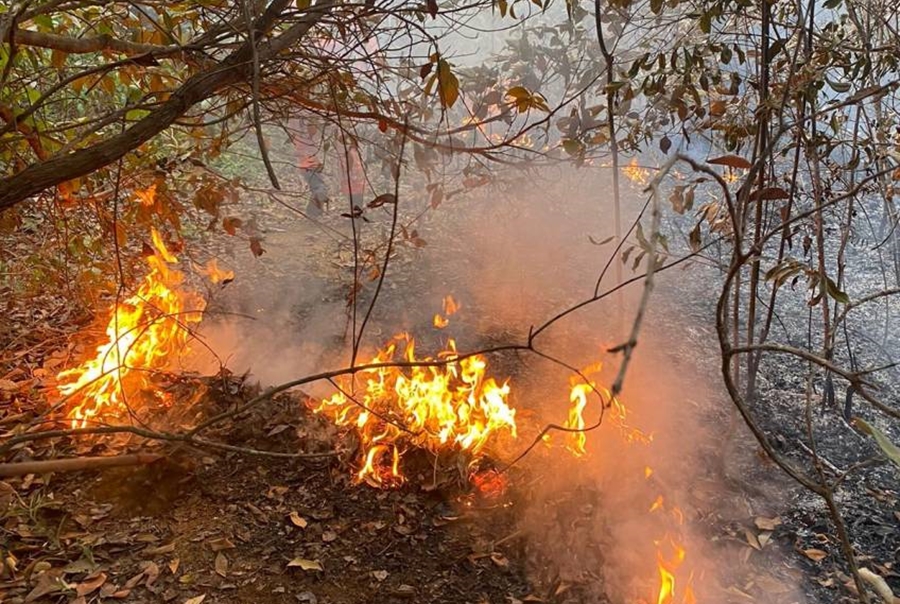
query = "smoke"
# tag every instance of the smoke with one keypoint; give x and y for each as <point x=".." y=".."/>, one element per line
<point x="515" y="257"/>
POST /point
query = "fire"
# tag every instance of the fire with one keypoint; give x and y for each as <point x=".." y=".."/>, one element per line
<point x="216" y="274"/>
<point x="670" y="557"/>
<point x="145" y="333"/>
<point x="450" y="307"/>
<point x="635" y="173"/>
<point x="436" y="406"/>
<point x="578" y="399"/>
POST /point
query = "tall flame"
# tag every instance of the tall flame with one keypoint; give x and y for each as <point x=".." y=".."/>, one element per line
<point x="437" y="406"/>
<point x="145" y="332"/>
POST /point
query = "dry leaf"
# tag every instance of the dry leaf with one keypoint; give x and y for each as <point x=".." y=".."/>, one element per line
<point x="751" y="539"/>
<point x="879" y="585"/>
<point x="8" y="385"/>
<point x="173" y="565"/>
<point x="381" y="575"/>
<point x="815" y="555"/>
<point x="767" y="524"/>
<point x="305" y="564"/>
<point x="329" y="536"/>
<point x="220" y="544"/>
<point x="195" y="600"/>
<point x="221" y="565"/>
<point x="90" y="585"/>
<point x="764" y="537"/>
<point x="162" y="549"/>
<point x="298" y="520"/>
<point x="151" y="570"/>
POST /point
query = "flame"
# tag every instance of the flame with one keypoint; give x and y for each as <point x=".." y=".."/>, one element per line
<point x="145" y="333"/>
<point x="668" y="567"/>
<point x="450" y="308"/>
<point x="216" y="274"/>
<point x="436" y="406"/>
<point x="578" y="398"/>
<point x="635" y="173"/>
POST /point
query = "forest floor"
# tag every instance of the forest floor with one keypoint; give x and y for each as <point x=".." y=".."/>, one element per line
<point x="228" y="527"/>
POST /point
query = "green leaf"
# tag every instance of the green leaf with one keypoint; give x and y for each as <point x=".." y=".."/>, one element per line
<point x="890" y="449"/>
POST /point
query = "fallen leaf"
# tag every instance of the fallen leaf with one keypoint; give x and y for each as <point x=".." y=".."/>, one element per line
<point x="173" y="565"/>
<point x="151" y="571"/>
<point x="305" y="564"/>
<point x="90" y="585"/>
<point x="815" y="555"/>
<point x="329" y="536"/>
<point x="751" y="539"/>
<point x="766" y="524"/>
<point x="764" y="537"/>
<point x="878" y="584"/>
<point x="298" y="520"/>
<point x="221" y="565"/>
<point x="48" y="582"/>
<point x="499" y="559"/>
<point x="220" y="544"/>
<point x="196" y="599"/>
<point x="162" y="549"/>
<point x="8" y="385"/>
<point x="381" y="575"/>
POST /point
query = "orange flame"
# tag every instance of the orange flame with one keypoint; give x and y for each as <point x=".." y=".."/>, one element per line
<point x="578" y="398"/>
<point x="450" y="308"/>
<point x="434" y="406"/>
<point x="635" y="173"/>
<point x="216" y="274"/>
<point x="144" y="334"/>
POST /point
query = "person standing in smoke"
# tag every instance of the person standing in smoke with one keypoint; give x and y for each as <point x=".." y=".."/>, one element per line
<point x="310" y="135"/>
<point x="311" y="167"/>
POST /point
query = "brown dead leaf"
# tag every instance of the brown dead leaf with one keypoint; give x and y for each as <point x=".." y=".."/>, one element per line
<point x="305" y="564"/>
<point x="162" y="549"/>
<point x="195" y="599"/>
<point x="298" y="520"/>
<point x="48" y="582"/>
<point x="751" y="539"/>
<point x="90" y="584"/>
<point x="329" y="536"/>
<point x="151" y="571"/>
<point x="222" y="543"/>
<point x="764" y="537"/>
<point x="8" y="385"/>
<point x="174" y="564"/>
<point x="380" y="575"/>
<point x="816" y="555"/>
<point x="766" y="524"/>
<point x="221" y="565"/>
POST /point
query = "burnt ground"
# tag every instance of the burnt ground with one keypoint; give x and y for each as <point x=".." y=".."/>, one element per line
<point x="226" y="527"/>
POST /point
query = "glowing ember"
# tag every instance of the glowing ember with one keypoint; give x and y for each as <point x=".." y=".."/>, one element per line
<point x="437" y="407"/>
<point x="491" y="484"/>
<point x="450" y="308"/>
<point x="635" y="173"/>
<point x="145" y="333"/>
